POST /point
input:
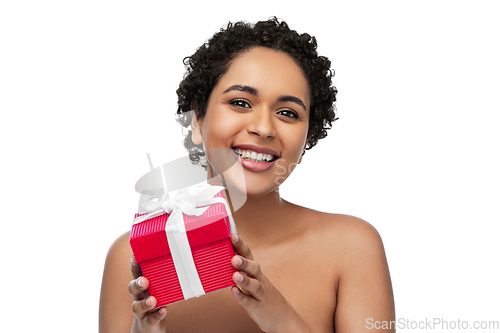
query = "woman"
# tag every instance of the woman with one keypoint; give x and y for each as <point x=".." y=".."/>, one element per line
<point x="262" y="89"/>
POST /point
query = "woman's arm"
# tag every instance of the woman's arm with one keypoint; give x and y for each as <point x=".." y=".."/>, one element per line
<point x="115" y="308"/>
<point x="365" y="300"/>
<point x="121" y="310"/>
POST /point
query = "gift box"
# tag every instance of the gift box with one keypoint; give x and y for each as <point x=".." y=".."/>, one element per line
<point x="209" y="245"/>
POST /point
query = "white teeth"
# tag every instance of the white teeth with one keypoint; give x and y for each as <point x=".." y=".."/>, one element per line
<point x="254" y="156"/>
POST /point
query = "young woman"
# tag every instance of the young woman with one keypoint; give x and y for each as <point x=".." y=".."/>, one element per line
<point x="263" y="89"/>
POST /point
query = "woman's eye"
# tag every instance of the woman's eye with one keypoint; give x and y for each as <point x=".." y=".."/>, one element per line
<point x="288" y="113"/>
<point x="241" y="103"/>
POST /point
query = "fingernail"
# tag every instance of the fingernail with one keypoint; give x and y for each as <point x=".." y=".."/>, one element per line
<point x="237" y="290"/>
<point x="239" y="277"/>
<point x="138" y="281"/>
<point x="238" y="261"/>
<point x="236" y="238"/>
<point x="148" y="302"/>
<point x="162" y="310"/>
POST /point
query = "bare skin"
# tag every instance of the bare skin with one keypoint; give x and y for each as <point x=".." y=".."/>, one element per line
<point x="330" y="268"/>
<point x="303" y="270"/>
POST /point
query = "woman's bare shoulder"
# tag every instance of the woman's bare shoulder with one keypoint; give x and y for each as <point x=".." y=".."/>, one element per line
<point x="120" y="249"/>
<point x="352" y="241"/>
<point x="346" y="229"/>
<point x="117" y="264"/>
<point x="117" y="269"/>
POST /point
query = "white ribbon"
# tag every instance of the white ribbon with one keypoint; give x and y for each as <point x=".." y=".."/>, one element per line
<point x="176" y="203"/>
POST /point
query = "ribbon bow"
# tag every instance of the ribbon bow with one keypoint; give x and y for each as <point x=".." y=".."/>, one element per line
<point x="176" y="203"/>
<point x="185" y="200"/>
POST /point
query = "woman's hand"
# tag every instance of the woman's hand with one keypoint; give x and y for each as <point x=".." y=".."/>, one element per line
<point x="145" y="319"/>
<point x="259" y="297"/>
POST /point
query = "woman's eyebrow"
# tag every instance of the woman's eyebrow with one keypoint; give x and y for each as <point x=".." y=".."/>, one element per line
<point x="289" y="98"/>
<point x="238" y="87"/>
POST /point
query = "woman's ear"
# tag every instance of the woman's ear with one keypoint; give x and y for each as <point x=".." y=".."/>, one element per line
<point x="195" y="129"/>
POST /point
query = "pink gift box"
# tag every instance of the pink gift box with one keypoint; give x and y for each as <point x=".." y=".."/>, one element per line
<point x="209" y="240"/>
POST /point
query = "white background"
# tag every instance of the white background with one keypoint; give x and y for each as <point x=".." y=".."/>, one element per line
<point x="88" y="87"/>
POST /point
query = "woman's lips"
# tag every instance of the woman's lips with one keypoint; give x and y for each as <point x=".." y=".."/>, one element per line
<point x="256" y="166"/>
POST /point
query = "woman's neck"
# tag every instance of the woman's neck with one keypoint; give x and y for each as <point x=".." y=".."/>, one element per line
<point x="261" y="218"/>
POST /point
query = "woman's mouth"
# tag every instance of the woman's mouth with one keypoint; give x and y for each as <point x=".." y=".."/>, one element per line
<point x="255" y="161"/>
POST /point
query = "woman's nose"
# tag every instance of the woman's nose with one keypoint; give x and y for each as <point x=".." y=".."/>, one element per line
<point x="261" y="124"/>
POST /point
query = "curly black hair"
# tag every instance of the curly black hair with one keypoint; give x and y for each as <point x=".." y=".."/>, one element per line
<point x="211" y="61"/>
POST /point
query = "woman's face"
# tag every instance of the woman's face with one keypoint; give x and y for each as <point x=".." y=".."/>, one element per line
<point x="259" y="111"/>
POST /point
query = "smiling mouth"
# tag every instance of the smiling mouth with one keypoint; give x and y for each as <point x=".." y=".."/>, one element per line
<point x="254" y="156"/>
